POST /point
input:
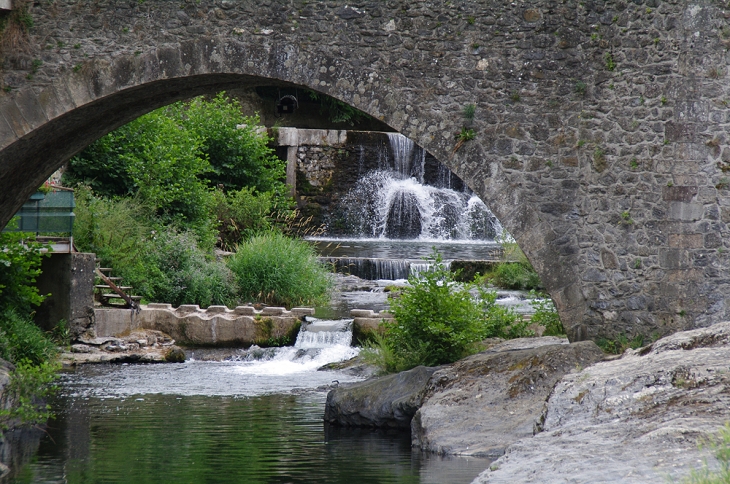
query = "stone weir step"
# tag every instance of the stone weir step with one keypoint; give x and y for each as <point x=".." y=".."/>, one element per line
<point x="391" y="269"/>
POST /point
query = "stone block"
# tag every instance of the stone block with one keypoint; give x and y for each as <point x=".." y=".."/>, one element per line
<point x="188" y="308"/>
<point x="272" y="311"/>
<point x="673" y="259"/>
<point x="679" y="193"/>
<point x="244" y="310"/>
<point x="216" y="309"/>
<point x="301" y="312"/>
<point x="159" y="306"/>
<point x="685" y="212"/>
<point x="686" y="241"/>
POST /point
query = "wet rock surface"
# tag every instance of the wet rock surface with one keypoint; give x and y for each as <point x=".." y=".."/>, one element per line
<point x="481" y="404"/>
<point x="636" y="419"/>
<point x="389" y="401"/>
<point x="142" y="346"/>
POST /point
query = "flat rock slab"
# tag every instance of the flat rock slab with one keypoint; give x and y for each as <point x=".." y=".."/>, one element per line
<point x="636" y="419"/>
<point x="481" y="404"/>
<point x="388" y="401"/>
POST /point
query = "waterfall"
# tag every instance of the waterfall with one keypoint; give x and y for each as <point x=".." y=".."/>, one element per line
<point x="324" y="334"/>
<point x="394" y="202"/>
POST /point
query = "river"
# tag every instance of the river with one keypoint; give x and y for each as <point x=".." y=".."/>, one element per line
<point x="255" y="417"/>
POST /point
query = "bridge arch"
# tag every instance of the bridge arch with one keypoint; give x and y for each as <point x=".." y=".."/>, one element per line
<point x="603" y="157"/>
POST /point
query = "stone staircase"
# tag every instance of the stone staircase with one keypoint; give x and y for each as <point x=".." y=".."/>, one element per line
<point x="104" y="294"/>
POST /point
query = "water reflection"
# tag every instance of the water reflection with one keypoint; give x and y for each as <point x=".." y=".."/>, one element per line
<point x="156" y="438"/>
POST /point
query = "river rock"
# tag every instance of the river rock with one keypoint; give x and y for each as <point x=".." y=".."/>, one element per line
<point x="636" y="419"/>
<point x="481" y="404"/>
<point x="388" y="401"/>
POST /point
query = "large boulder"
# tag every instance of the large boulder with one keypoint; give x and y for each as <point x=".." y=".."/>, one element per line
<point x="483" y="403"/>
<point x="388" y="401"/>
<point x="636" y="419"/>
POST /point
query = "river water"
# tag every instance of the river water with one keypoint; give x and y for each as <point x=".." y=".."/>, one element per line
<point x="255" y="417"/>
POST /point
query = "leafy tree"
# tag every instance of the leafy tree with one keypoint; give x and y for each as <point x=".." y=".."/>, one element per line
<point x="20" y="265"/>
<point x="174" y="158"/>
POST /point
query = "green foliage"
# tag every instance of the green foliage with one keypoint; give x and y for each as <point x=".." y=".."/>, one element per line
<point x="515" y="272"/>
<point x="336" y="110"/>
<point x="439" y="321"/>
<point x="115" y="230"/>
<point x="546" y="315"/>
<point x="20" y="263"/>
<point x="237" y="151"/>
<point x="469" y="111"/>
<point x="720" y="446"/>
<point x="580" y="88"/>
<point x="172" y="158"/>
<point x="175" y="270"/>
<point x="22" y="340"/>
<point x="610" y="63"/>
<point x="244" y="213"/>
<point x="159" y="262"/>
<point x="274" y="269"/>
<point x="516" y="275"/>
<point x="29" y="385"/>
<point x="620" y="344"/>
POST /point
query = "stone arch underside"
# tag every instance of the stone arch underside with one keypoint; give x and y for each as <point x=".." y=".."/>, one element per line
<point x="599" y="128"/>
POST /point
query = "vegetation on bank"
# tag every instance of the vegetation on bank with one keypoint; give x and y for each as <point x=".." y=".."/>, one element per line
<point x="31" y="352"/>
<point x="438" y="320"/>
<point x="158" y="196"/>
<point x="720" y="447"/>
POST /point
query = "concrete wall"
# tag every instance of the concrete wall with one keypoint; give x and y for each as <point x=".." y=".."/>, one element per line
<point x="69" y="279"/>
<point x="214" y="326"/>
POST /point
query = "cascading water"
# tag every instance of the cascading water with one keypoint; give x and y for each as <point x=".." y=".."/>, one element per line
<point x="394" y="202"/>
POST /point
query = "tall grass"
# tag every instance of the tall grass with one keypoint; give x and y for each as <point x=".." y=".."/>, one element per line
<point x="277" y="270"/>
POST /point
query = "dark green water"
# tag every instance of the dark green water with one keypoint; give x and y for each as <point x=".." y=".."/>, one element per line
<point x="105" y="435"/>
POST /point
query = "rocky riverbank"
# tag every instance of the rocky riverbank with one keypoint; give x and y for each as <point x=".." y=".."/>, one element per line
<point x="559" y="412"/>
<point x="141" y="346"/>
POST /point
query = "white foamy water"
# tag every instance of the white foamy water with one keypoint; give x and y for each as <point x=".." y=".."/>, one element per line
<point x="259" y="371"/>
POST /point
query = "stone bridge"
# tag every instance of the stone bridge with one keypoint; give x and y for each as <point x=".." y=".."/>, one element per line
<point x="600" y="126"/>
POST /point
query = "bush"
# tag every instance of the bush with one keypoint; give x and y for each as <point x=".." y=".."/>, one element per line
<point x="22" y="340"/>
<point x="29" y="385"/>
<point x="173" y="158"/>
<point x="546" y="315"/>
<point x="175" y="270"/>
<point x="117" y="231"/>
<point x="274" y="269"/>
<point x="515" y="271"/>
<point x="438" y="321"/>
<point x="20" y="264"/>
<point x="244" y="213"/>
<point x="516" y="275"/>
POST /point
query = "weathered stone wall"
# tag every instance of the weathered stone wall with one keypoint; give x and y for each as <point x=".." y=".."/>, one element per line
<point x="600" y="126"/>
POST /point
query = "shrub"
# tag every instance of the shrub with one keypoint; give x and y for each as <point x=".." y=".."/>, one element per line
<point x="515" y="270"/>
<point x="438" y="321"/>
<point x="546" y="315"/>
<point x="20" y="264"/>
<point x="274" y="269"/>
<point x="22" y="340"/>
<point x="175" y="270"/>
<point x="29" y="385"/>
<point x="244" y="213"/>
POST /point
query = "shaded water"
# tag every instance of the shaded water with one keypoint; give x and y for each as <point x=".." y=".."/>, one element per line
<point x="257" y="419"/>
